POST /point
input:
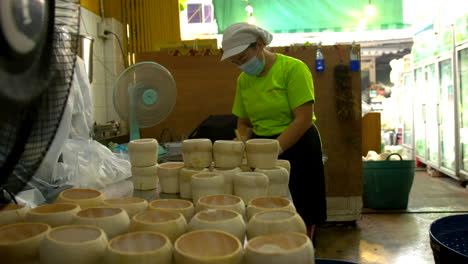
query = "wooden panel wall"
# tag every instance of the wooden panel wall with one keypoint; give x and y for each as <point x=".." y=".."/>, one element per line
<point x="206" y="86"/>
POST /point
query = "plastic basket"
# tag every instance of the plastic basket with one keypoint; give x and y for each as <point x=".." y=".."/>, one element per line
<point x="449" y="239"/>
<point x="387" y="183"/>
<point x="332" y="261"/>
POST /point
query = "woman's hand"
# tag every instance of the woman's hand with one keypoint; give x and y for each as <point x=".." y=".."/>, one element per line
<point x="243" y="131"/>
<point x="302" y="121"/>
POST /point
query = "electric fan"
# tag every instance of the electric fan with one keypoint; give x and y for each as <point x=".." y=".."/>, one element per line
<point x="38" y="45"/>
<point x="144" y="95"/>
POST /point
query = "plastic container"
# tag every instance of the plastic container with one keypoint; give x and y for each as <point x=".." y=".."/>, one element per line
<point x="387" y="184"/>
<point x="449" y="239"/>
<point x="319" y="59"/>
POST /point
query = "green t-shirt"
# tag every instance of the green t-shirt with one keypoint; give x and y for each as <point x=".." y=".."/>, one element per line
<point x="269" y="101"/>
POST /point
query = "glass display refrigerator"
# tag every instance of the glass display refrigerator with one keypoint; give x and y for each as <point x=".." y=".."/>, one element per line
<point x="420" y="114"/>
<point x="462" y="54"/>
<point x="446" y="120"/>
<point x="407" y="113"/>
<point x="432" y="124"/>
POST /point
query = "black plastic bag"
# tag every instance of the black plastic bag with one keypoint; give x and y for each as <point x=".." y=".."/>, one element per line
<point x="216" y="127"/>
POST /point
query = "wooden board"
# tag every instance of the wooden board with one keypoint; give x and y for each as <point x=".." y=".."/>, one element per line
<point x="371" y="137"/>
<point x="206" y="87"/>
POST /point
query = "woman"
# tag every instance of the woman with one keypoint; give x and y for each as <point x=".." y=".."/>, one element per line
<point x="275" y="99"/>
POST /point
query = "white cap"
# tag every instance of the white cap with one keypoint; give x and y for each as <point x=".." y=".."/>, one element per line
<point x="237" y="37"/>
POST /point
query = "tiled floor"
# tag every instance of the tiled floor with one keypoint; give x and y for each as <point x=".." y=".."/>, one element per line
<point x="397" y="236"/>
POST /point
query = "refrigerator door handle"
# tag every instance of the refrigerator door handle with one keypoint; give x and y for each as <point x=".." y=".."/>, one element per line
<point x="424" y="113"/>
<point x="439" y="117"/>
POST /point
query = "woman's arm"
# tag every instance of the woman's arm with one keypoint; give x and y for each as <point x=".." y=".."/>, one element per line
<point x="302" y="120"/>
<point x="243" y="129"/>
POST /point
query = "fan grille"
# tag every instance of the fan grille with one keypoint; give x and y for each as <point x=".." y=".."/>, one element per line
<point x="28" y="131"/>
<point x="134" y="82"/>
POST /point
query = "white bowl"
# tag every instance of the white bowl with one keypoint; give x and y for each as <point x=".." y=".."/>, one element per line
<point x="83" y="197"/>
<point x="114" y="221"/>
<point x="53" y="214"/>
<point x="185" y="181"/>
<point x="262" y="153"/>
<point x="19" y="243"/>
<point x="168" y="174"/>
<point x="219" y="219"/>
<point x="145" y="178"/>
<point x="184" y="207"/>
<point x="250" y="185"/>
<point x="197" y="152"/>
<point x="229" y="175"/>
<point x="143" y="152"/>
<point x="228" y="153"/>
<point x="275" y="221"/>
<point x="131" y="205"/>
<point x="12" y="213"/>
<point x="278" y="181"/>
<point x="208" y="247"/>
<point x="140" y="247"/>
<point x="73" y="244"/>
<point x="268" y="203"/>
<point x="171" y="224"/>
<point x="206" y="183"/>
<point x="279" y="249"/>
<point x="221" y="201"/>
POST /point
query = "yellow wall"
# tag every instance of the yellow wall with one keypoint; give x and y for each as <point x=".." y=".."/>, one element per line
<point x="113" y="8"/>
<point x="91" y="5"/>
<point x="149" y="22"/>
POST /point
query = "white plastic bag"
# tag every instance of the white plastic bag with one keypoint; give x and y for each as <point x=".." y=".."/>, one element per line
<point x="89" y="164"/>
<point x="76" y="123"/>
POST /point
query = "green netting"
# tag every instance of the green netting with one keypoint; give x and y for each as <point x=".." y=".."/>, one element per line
<point x="301" y="16"/>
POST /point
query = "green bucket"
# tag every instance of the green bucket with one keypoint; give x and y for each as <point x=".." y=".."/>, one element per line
<point x="387" y="184"/>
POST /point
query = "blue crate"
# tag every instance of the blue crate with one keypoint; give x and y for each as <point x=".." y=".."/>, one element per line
<point x="449" y="239"/>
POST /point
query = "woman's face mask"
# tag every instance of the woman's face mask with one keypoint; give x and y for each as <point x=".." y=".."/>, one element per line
<point x="253" y="66"/>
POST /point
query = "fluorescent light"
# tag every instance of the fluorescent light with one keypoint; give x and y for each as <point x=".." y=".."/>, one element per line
<point x="249" y="9"/>
<point x="251" y="20"/>
<point x="370" y="10"/>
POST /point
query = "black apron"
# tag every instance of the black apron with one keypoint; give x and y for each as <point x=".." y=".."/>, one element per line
<point x="307" y="178"/>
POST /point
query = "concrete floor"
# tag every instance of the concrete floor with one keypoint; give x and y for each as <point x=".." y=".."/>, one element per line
<point x="395" y="236"/>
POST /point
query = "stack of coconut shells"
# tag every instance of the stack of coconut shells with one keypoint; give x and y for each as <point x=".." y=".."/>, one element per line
<point x="244" y="219"/>
<point x="248" y="170"/>
<point x="143" y="154"/>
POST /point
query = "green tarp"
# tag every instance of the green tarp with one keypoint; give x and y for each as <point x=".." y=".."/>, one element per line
<point x="300" y="16"/>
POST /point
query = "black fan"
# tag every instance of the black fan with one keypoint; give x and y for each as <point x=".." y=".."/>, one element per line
<point x="38" y="46"/>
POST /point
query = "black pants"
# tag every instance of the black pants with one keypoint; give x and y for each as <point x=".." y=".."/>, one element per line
<point x="307" y="178"/>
